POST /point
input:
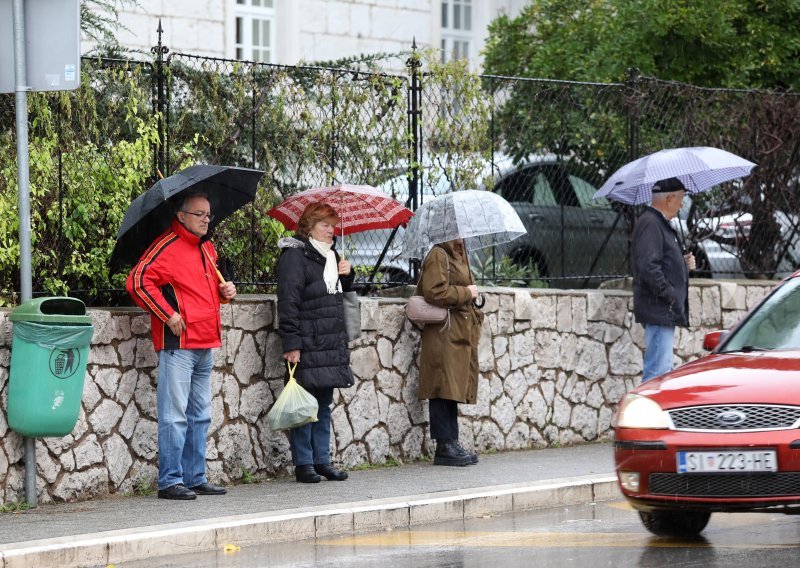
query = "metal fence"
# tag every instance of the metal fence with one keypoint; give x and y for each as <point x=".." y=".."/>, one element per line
<point x="544" y="145"/>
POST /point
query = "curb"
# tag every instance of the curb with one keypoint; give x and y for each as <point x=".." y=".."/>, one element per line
<point x="116" y="547"/>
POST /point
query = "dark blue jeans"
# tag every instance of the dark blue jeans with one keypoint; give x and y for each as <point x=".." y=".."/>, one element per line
<point x="311" y="443"/>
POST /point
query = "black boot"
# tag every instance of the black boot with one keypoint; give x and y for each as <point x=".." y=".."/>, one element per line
<point x="447" y="453"/>
<point x="329" y="472"/>
<point x="472" y="455"/>
<point x="306" y="474"/>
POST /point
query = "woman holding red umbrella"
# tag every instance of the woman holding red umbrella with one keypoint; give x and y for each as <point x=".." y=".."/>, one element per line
<point x="311" y="279"/>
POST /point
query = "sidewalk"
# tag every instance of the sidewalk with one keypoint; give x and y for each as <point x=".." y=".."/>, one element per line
<point x="115" y="530"/>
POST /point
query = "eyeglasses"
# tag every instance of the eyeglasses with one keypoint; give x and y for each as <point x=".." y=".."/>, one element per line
<point x="201" y="215"/>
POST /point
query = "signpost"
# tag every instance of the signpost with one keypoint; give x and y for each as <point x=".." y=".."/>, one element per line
<point x="39" y="51"/>
<point x="51" y="42"/>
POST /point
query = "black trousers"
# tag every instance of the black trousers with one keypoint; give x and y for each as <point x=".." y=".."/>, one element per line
<point x="443" y="418"/>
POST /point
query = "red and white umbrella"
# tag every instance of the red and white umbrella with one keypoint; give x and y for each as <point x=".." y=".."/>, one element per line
<point x="360" y="208"/>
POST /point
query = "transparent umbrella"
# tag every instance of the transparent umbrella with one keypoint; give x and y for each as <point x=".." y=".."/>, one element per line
<point x="481" y="218"/>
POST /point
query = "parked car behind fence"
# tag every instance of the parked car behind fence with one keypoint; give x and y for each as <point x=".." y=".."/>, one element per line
<point x="573" y="240"/>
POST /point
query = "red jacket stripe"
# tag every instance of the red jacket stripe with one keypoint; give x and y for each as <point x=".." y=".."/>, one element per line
<point x="148" y="301"/>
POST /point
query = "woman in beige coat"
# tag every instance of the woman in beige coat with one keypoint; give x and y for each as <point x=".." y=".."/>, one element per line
<point x="448" y="372"/>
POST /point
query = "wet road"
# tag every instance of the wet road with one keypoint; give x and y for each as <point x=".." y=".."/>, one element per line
<point x="605" y="534"/>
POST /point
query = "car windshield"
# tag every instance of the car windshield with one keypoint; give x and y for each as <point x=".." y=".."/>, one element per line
<point x="774" y="325"/>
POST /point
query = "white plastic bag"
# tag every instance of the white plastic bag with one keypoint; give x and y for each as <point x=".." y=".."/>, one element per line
<point x="295" y="405"/>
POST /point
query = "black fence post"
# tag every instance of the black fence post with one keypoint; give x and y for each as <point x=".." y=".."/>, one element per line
<point x="494" y="171"/>
<point x="334" y="140"/>
<point x="415" y="140"/>
<point x="414" y="146"/>
<point x="634" y="110"/>
<point x="253" y="138"/>
<point x="414" y="112"/>
<point x="159" y="50"/>
<point x="632" y="86"/>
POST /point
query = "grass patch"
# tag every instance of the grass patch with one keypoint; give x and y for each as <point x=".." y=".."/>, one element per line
<point x="15" y="507"/>
<point x="390" y="462"/>
<point x="143" y="488"/>
<point x="247" y="476"/>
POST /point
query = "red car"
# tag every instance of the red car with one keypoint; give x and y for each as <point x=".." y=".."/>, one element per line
<point x="720" y="434"/>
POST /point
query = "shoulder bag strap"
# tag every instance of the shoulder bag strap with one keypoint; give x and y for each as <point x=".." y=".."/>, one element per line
<point x="446" y="322"/>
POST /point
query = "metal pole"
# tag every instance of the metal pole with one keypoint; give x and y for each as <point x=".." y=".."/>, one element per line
<point x="634" y="109"/>
<point x="253" y="110"/>
<point x="414" y="114"/>
<point x="633" y="115"/>
<point x="159" y="51"/>
<point x="332" y="175"/>
<point x="23" y="189"/>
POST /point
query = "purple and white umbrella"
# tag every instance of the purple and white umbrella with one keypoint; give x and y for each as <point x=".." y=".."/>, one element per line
<point x="699" y="169"/>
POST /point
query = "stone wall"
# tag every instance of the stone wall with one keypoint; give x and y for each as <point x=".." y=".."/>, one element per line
<point x="554" y="364"/>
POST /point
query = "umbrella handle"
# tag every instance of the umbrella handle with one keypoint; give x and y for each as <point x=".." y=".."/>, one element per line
<point x="219" y="275"/>
<point x="344" y="242"/>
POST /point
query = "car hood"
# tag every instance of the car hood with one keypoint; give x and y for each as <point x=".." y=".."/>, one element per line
<point x="743" y="378"/>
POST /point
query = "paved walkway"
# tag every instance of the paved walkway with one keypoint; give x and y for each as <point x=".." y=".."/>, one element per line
<point x="119" y="529"/>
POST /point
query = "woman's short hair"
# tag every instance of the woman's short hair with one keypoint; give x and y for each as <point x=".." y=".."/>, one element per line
<point x="313" y="214"/>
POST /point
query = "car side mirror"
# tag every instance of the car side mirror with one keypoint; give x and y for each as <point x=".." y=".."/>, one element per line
<point x="713" y="338"/>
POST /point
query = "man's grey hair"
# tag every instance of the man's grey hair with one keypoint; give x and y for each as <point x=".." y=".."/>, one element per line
<point x="192" y="195"/>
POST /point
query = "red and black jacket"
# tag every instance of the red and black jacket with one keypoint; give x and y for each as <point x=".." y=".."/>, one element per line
<point x="178" y="274"/>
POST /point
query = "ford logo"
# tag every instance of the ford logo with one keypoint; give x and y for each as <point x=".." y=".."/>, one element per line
<point x="731" y="417"/>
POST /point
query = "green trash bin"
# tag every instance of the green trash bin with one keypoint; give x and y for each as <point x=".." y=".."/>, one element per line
<point x="49" y="352"/>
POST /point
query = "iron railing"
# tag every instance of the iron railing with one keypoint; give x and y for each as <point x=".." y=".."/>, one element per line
<point x="544" y="145"/>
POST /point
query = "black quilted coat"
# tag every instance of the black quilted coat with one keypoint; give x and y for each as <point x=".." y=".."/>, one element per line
<point x="310" y="319"/>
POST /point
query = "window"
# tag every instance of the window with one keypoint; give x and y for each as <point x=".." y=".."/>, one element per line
<point x="456" y="29"/>
<point x="585" y="192"/>
<point x="255" y="30"/>
<point x="528" y="185"/>
<point x="775" y="324"/>
<point x="542" y="192"/>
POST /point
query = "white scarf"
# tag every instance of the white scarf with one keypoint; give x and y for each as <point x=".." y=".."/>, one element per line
<point x="331" y="273"/>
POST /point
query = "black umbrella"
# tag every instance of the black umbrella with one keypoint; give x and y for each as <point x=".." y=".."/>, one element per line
<point x="151" y="213"/>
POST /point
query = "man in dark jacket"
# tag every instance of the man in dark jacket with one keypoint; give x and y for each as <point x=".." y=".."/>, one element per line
<point x="176" y="280"/>
<point x="660" y="276"/>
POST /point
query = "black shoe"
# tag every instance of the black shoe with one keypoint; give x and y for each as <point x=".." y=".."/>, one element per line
<point x="208" y="489"/>
<point x="447" y="453"/>
<point x="329" y="472"/>
<point x="472" y="455"/>
<point x="306" y="474"/>
<point x="177" y="491"/>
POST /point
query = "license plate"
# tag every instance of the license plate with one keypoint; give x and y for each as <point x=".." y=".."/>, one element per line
<point x="732" y="460"/>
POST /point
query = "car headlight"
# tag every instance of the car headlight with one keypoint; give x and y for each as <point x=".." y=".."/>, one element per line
<point x="637" y="411"/>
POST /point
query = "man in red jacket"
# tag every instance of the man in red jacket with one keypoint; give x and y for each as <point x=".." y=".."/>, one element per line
<point x="176" y="281"/>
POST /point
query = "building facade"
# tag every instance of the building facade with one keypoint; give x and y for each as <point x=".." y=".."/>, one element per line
<point x="294" y="31"/>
